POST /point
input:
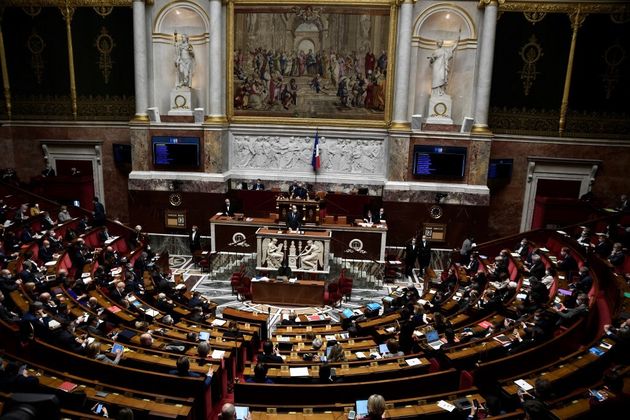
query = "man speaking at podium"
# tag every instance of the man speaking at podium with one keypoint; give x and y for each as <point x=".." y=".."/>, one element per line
<point x="294" y="219"/>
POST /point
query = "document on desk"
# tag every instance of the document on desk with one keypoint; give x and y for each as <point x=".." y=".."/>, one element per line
<point x="300" y="371"/>
<point x="217" y="354"/>
<point x="413" y="362"/>
<point x="523" y="384"/>
<point x="218" y="322"/>
<point x="446" y="406"/>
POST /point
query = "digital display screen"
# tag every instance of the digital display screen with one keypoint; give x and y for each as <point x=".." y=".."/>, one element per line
<point x="500" y="168"/>
<point x="439" y="161"/>
<point x="179" y="152"/>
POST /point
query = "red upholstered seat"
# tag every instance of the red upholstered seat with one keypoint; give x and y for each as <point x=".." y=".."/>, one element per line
<point x="332" y="295"/>
<point x="244" y="290"/>
<point x="466" y="380"/>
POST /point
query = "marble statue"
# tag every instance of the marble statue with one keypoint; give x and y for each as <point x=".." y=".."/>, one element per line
<point x="184" y="60"/>
<point x="440" y="60"/>
<point x="273" y="254"/>
<point x="311" y="256"/>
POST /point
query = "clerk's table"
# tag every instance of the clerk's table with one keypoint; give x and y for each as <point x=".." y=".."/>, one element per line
<point x="298" y="293"/>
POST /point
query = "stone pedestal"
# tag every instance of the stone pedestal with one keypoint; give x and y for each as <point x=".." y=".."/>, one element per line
<point x="440" y="110"/>
<point x="181" y="101"/>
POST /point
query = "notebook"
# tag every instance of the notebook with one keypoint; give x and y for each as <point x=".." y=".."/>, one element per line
<point x="596" y="351"/>
<point x="347" y="313"/>
<point x="362" y="409"/>
<point x="433" y="339"/>
<point x="67" y="386"/>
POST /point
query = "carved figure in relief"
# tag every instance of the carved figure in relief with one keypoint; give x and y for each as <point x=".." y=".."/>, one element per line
<point x="273" y="253"/>
<point x="312" y="255"/>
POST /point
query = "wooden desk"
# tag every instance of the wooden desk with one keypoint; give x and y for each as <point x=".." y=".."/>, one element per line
<point x="300" y="293"/>
<point x="231" y="235"/>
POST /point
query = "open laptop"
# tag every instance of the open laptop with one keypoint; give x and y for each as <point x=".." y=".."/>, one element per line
<point x="433" y="339"/>
<point x="362" y="409"/>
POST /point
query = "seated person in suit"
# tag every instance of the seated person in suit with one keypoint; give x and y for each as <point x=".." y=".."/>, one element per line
<point x="260" y="375"/>
<point x="369" y="217"/>
<point x="103" y="235"/>
<point x="258" y="186"/>
<point x="270" y="354"/>
<point x="566" y="262"/>
<point x="183" y="369"/>
<point x="294" y="219"/>
<point x="228" y="208"/>
<point x="299" y="192"/>
<point x="381" y="217"/>
<point x="617" y="256"/>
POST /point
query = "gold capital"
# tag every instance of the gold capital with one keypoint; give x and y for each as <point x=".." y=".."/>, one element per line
<point x="484" y="3"/>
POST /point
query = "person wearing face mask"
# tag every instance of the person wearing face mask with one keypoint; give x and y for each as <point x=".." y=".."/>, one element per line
<point x="294" y="219"/>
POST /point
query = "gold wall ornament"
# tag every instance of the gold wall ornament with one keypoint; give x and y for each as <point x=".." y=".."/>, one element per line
<point x="534" y="16"/>
<point x="68" y="12"/>
<point x="36" y="46"/>
<point x="103" y="11"/>
<point x="613" y="56"/>
<point x="530" y="54"/>
<point x="621" y="17"/>
<point x="105" y="44"/>
<point x="32" y="10"/>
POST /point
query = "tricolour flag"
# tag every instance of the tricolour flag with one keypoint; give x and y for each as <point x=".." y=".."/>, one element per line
<point x="315" y="161"/>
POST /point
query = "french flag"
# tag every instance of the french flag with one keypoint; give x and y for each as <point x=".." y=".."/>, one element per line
<point x="315" y="161"/>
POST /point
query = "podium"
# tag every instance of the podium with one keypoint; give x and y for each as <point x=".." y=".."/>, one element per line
<point x="309" y="208"/>
<point x="306" y="252"/>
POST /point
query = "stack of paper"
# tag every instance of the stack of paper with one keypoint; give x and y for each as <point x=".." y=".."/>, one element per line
<point x="413" y="362"/>
<point x="300" y="371"/>
<point x="217" y="354"/>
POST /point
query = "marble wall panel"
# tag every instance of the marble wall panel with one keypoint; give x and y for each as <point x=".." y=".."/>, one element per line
<point x="213" y="151"/>
<point x="140" y="148"/>
<point x="398" y="164"/>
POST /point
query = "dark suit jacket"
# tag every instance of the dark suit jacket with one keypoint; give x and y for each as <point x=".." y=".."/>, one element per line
<point x="294" y="220"/>
<point x="424" y="254"/>
<point x="258" y="187"/>
<point x="538" y="270"/>
<point x="411" y="253"/>
<point x="99" y="213"/>
<point x="228" y="211"/>
<point x="195" y="241"/>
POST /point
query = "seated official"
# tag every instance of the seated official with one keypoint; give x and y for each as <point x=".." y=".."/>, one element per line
<point x="183" y="369"/>
<point x="294" y="219"/>
<point x="270" y="354"/>
<point x="369" y="217"/>
<point x="228" y="208"/>
<point x="298" y="191"/>
<point x="258" y="186"/>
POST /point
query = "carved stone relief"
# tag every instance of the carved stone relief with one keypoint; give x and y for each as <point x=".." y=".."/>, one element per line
<point x="337" y="155"/>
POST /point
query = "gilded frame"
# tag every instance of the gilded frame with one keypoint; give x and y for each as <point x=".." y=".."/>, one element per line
<point x="388" y="8"/>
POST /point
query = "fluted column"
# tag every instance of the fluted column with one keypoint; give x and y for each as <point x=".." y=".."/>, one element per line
<point x="216" y="83"/>
<point x="140" y="61"/>
<point x="403" y="56"/>
<point x="577" y="19"/>
<point x="486" y="57"/>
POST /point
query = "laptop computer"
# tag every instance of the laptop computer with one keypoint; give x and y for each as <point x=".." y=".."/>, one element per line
<point x="362" y="409"/>
<point x="433" y="339"/>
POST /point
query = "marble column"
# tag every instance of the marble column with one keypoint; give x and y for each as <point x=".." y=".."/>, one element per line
<point x="400" y="118"/>
<point x="215" y="111"/>
<point x="140" y="61"/>
<point x="486" y="57"/>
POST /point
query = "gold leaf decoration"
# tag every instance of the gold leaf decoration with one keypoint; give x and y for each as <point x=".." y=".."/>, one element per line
<point x="530" y="54"/>
<point x="105" y="44"/>
<point x="36" y="46"/>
